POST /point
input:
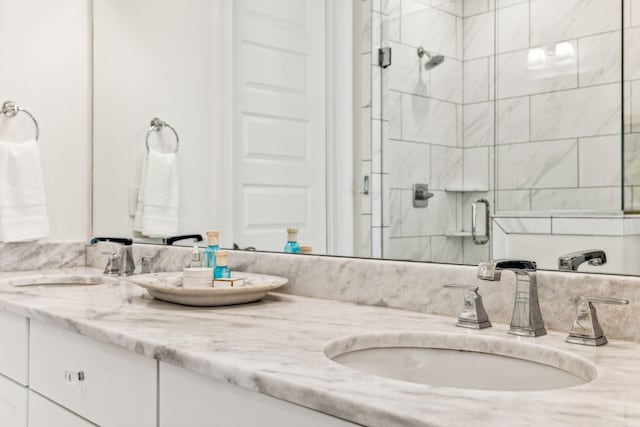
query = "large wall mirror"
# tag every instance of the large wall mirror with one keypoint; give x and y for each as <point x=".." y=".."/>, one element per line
<point x="449" y="131"/>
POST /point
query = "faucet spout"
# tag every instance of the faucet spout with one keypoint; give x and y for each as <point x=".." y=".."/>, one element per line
<point x="570" y="262"/>
<point x="527" y="317"/>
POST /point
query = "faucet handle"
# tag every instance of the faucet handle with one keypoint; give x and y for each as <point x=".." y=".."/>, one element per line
<point x="586" y="329"/>
<point x="473" y="315"/>
<point x="112" y="268"/>
<point x="145" y="264"/>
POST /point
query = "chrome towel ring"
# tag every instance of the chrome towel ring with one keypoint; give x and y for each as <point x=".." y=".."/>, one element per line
<point x="10" y="109"/>
<point x="156" y="126"/>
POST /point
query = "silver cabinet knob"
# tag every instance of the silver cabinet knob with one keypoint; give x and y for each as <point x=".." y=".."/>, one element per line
<point x="473" y="315"/>
<point x="586" y="329"/>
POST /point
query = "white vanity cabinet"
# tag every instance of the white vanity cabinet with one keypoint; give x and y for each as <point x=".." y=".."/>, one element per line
<point x="105" y="384"/>
<point x="189" y="399"/>
<point x="14" y="345"/>
<point x="44" y="413"/>
<point x="13" y="403"/>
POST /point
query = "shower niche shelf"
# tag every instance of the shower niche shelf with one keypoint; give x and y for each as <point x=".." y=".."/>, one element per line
<point x="458" y="234"/>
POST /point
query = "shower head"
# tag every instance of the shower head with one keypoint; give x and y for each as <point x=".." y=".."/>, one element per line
<point x="433" y="60"/>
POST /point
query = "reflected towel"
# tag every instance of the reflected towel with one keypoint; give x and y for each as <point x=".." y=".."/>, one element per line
<point x="23" y="210"/>
<point x="158" y="196"/>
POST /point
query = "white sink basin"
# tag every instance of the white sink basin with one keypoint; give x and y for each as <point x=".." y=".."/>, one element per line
<point x="462" y="361"/>
<point x="60" y="280"/>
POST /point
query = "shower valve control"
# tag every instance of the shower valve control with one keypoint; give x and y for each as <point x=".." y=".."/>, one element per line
<point x="421" y="195"/>
<point x="384" y="57"/>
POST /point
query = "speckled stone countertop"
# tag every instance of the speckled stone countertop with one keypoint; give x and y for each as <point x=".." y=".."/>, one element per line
<point x="277" y="347"/>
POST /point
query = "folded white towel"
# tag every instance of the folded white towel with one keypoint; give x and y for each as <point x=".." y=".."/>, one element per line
<point x="23" y="210"/>
<point x="158" y="196"/>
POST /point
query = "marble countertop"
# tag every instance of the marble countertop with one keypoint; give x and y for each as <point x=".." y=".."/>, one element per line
<point x="276" y="347"/>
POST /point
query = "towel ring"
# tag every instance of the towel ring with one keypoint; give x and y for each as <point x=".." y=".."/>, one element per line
<point x="10" y="109"/>
<point x="156" y="126"/>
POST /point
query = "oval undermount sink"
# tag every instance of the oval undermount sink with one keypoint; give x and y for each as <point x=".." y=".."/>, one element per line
<point x="462" y="361"/>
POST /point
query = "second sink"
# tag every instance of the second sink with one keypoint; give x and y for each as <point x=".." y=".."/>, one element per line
<point x="462" y="361"/>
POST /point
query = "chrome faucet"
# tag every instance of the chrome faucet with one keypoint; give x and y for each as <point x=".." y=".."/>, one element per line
<point x="570" y="262"/>
<point x="527" y="318"/>
<point x="118" y="264"/>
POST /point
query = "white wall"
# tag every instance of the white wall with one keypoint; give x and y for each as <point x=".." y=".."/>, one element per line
<point x="45" y="51"/>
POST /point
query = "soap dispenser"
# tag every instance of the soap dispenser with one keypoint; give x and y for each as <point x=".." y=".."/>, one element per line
<point x="292" y="246"/>
<point x="212" y="248"/>
<point x="222" y="270"/>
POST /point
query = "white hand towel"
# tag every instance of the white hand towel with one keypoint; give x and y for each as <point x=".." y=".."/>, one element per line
<point x="23" y="210"/>
<point x="158" y="196"/>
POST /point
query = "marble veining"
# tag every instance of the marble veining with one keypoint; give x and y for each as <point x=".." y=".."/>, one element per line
<point x="277" y="346"/>
<point x="36" y="256"/>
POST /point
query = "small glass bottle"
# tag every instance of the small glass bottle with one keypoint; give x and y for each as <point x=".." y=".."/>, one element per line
<point x="222" y="269"/>
<point x="196" y="257"/>
<point x="212" y="248"/>
<point x="292" y="241"/>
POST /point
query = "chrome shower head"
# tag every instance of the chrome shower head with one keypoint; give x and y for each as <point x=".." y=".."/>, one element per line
<point x="433" y="60"/>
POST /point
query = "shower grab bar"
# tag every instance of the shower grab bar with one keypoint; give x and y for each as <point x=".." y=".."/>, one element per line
<point x="157" y="125"/>
<point x="483" y="239"/>
<point x="10" y="109"/>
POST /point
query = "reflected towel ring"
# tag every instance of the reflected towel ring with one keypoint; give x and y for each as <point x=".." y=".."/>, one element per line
<point x="156" y="126"/>
<point x="10" y="109"/>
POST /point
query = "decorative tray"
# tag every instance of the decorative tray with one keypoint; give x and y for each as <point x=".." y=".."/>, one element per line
<point x="168" y="287"/>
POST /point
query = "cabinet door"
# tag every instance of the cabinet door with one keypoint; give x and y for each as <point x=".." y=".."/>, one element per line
<point x="102" y="383"/>
<point x="44" y="413"/>
<point x="13" y="403"/>
<point x="14" y="336"/>
<point x="189" y="399"/>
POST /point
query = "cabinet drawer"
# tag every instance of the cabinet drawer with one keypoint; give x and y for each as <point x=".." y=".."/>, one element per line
<point x="44" y="413"/>
<point x="13" y="403"/>
<point x="105" y="384"/>
<point x="14" y="357"/>
<point x="189" y="399"/>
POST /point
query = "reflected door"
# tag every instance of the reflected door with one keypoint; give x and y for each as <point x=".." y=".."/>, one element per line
<point x="279" y="122"/>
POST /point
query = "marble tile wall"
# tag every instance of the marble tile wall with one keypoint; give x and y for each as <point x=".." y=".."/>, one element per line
<point x="631" y="106"/>
<point x="36" y="256"/>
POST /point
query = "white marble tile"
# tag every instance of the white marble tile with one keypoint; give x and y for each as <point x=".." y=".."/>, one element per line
<point x="524" y="225"/>
<point x="376" y="199"/>
<point x="632" y="159"/>
<point x="391" y="8"/>
<point x="588" y="226"/>
<point x="407" y="73"/>
<point x="574" y="113"/>
<point x="513" y="120"/>
<point x="478" y="36"/>
<point x="635" y="12"/>
<point x="473" y="254"/>
<point x="451" y="6"/>
<point x="365" y="199"/>
<point x="549" y="164"/>
<point x="516" y="77"/>
<point x="376" y="32"/>
<point x="446" y="249"/>
<point x="395" y="211"/>
<point x="513" y="200"/>
<point x="365" y="236"/>
<point x="408" y="248"/>
<point x="407" y="163"/>
<point x="376" y="145"/>
<point x="376" y="242"/>
<point x="474" y="7"/>
<point x="376" y="92"/>
<point x="478" y="124"/>
<point x="446" y="81"/>
<point x="507" y="3"/>
<point x="628" y="116"/>
<point x="631" y="226"/>
<point x="600" y="59"/>
<point x="41" y="255"/>
<point x="597" y="199"/>
<point x="435" y="219"/>
<point x="446" y="167"/>
<point x="476" y="167"/>
<point x="428" y="120"/>
<point x="634" y="101"/>
<point x="632" y="53"/>
<point x="376" y="5"/>
<point x="553" y="20"/>
<point x="430" y="28"/>
<point x="512" y="32"/>
<point x="392" y="114"/>
<point x="600" y="162"/>
<point x="476" y="80"/>
<point x="391" y="28"/>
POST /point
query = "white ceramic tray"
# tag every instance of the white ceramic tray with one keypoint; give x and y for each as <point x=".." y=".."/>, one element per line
<point x="168" y="287"/>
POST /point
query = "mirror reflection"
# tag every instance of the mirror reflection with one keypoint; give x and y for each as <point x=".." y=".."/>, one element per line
<point x="449" y="132"/>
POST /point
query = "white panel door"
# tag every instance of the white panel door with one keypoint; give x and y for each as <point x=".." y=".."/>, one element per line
<point x="279" y="122"/>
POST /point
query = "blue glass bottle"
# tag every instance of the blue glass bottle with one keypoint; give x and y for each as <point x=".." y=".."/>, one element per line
<point x="210" y="251"/>
<point x="222" y="270"/>
<point x="292" y="246"/>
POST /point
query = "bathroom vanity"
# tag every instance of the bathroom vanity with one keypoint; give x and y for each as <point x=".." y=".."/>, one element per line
<point x="108" y="354"/>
